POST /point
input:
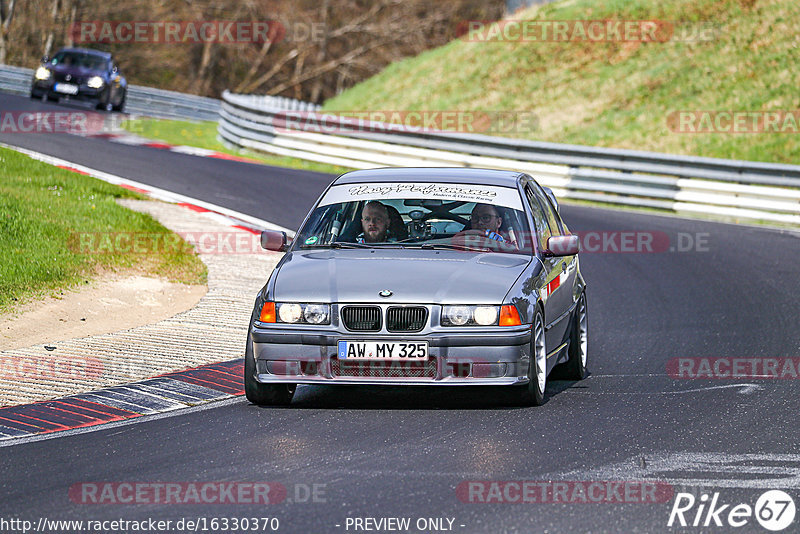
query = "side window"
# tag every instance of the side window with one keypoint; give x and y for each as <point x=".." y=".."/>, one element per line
<point x="562" y="224"/>
<point x="539" y="218"/>
<point x="548" y="210"/>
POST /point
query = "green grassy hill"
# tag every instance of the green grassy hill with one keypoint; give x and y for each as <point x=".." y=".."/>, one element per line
<point x="617" y="94"/>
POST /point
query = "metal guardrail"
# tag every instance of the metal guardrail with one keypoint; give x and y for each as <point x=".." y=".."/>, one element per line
<point x="733" y="188"/>
<point x="140" y="100"/>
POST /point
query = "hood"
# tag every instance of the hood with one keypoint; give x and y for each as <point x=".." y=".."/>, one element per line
<point x="413" y="276"/>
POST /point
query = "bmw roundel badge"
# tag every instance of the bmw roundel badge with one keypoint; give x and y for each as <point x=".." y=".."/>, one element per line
<point x="385" y="293"/>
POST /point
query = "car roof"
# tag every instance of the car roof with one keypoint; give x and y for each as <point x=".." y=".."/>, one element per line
<point x="456" y="175"/>
<point x="106" y="55"/>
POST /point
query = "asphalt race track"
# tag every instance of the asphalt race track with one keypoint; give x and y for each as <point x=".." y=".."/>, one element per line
<point x="283" y="194"/>
<point x="402" y="453"/>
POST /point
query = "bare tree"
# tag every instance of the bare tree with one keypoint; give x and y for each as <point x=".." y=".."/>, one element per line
<point x="316" y="88"/>
<point x="6" y="16"/>
<point x="329" y="45"/>
<point x="71" y="7"/>
<point x="48" y="44"/>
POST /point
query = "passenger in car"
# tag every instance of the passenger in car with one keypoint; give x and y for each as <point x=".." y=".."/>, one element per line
<point x="397" y="228"/>
<point x="374" y="223"/>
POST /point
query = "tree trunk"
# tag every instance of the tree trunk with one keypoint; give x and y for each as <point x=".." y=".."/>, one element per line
<point x="72" y="7"/>
<point x="316" y="89"/>
<point x="6" y="16"/>
<point x="48" y="45"/>
<point x="200" y="82"/>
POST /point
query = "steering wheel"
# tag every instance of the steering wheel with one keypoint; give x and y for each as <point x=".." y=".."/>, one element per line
<point x="477" y="240"/>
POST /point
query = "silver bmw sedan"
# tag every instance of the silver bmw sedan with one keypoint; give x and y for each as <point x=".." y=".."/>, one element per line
<point x="422" y="276"/>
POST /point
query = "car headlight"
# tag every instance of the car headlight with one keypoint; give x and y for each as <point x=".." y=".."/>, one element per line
<point x="290" y="313"/>
<point x="295" y="313"/>
<point x="456" y="315"/>
<point x="42" y="74"/>
<point x="480" y="316"/>
<point x="316" y="314"/>
<point x="485" y="315"/>
<point x="95" y="82"/>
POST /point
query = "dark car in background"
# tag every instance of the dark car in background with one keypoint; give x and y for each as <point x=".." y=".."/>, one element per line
<point x="83" y="75"/>
<point x="438" y="301"/>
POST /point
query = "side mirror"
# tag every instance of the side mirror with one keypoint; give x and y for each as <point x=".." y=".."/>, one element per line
<point x="562" y="245"/>
<point x="45" y="58"/>
<point x="277" y="241"/>
<point x="114" y="69"/>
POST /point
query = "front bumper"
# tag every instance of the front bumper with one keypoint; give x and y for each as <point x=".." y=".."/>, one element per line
<point x="457" y="356"/>
<point x="85" y="93"/>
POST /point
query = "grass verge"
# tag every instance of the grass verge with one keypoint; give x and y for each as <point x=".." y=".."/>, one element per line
<point x="43" y="212"/>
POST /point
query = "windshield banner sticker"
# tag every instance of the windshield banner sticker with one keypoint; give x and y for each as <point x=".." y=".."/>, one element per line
<point x="502" y="196"/>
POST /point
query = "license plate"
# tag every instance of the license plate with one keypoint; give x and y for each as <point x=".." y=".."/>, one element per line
<point x="384" y="350"/>
<point x="66" y="88"/>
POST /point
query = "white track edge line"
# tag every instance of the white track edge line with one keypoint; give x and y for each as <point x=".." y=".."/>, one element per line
<point x="155" y="192"/>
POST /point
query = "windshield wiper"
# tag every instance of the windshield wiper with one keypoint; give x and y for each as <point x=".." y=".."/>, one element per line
<point x="387" y="245"/>
<point x="443" y="246"/>
<point x="347" y="244"/>
<point x="337" y="244"/>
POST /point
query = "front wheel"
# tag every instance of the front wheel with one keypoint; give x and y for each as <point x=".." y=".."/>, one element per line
<point x="533" y="392"/>
<point x="579" y="342"/>
<point x="104" y="102"/>
<point x="121" y="105"/>
<point x="263" y="394"/>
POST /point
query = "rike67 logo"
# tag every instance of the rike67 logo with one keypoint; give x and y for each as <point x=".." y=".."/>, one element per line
<point x="774" y="510"/>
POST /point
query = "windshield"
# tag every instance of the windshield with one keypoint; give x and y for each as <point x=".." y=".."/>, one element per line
<point x="75" y="59"/>
<point x="429" y="215"/>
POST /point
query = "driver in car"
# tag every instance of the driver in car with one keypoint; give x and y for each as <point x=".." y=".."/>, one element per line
<point x="486" y="219"/>
<point x="374" y="223"/>
<point x="485" y="223"/>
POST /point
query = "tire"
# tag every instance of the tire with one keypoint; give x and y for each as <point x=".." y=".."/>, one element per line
<point x="575" y="367"/>
<point x="532" y="393"/>
<point x="105" y="104"/>
<point x="263" y="394"/>
<point x="121" y="106"/>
